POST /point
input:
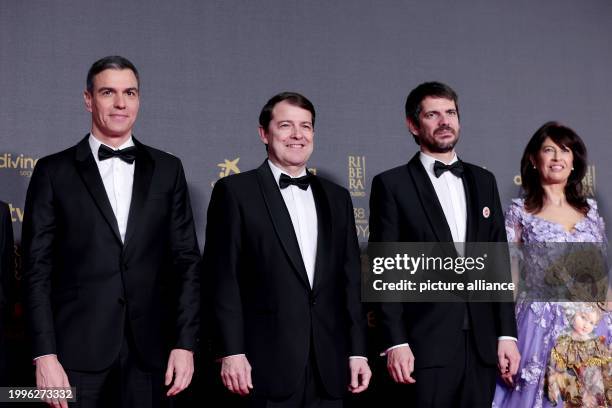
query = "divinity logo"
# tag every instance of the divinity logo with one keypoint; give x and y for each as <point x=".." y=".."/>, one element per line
<point x="20" y="162"/>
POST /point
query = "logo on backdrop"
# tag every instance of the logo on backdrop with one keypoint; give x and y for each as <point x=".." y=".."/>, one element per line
<point x="16" y="213"/>
<point x="228" y="167"/>
<point x="357" y="187"/>
<point x="357" y="176"/>
<point x="588" y="182"/>
<point x="21" y="163"/>
<point x="361" y="223"/>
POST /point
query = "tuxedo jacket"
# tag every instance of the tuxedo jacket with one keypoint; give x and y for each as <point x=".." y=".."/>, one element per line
<point x="84" y="287"/>
<point x="404" y="207"/>
<point x="263" y="304"/>
<point x="6" y="253"/>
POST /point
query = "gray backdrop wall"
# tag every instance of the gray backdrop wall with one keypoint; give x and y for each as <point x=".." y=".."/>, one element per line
<point x="207" y="67"/>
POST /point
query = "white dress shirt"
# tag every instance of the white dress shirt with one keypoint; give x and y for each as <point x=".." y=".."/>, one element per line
<point x="303" y="212"/>
<point x="451" y="194"/>
<point x="118" y="179"/>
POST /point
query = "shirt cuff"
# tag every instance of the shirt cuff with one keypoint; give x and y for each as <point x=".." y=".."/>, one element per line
<point x="44" y="355"/>
<point x="220" y="359"/>
<point x="384" y="353"/>
<point x="507" y="338"/>
<point x="359" y="357"/>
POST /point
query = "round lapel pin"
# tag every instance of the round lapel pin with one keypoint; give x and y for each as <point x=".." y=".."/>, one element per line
<point x="486" y="212"/>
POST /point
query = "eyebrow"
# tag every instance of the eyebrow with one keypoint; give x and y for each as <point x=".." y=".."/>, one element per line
<point x="562" y="147"/>
<point x="108" y="88"/>
<point x="291" y="121"/>
<point x="440" y="110"/>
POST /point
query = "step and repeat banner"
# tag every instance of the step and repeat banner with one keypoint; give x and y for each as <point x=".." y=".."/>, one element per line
<point x="208" y="67"/>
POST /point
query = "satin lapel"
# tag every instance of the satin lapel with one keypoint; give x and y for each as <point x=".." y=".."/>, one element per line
<point x="324" y="232"/>
<point x="281" y="220"/>
<point x="429" y="200"/>
<point x="88" y="170"/>
<point x="143" y="172"/>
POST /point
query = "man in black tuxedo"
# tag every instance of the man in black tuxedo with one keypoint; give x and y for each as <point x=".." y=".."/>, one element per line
<point x="111" y="258"/>
<point x="283" y="259"/>
<point x="6" y="268"/>
<point x="446" y="351"/>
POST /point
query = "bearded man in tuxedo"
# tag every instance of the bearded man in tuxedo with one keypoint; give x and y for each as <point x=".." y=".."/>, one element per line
<point x="446" y="353"/>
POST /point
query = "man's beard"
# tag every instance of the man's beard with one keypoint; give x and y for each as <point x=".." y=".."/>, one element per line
<point x="441" y="147"/>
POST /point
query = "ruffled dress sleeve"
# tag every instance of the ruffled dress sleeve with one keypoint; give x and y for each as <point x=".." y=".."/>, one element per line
<point x="514" y="220"/>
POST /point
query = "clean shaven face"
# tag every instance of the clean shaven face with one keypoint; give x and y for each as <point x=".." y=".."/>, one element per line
<point x="554" y="162"/>
<point x="289" y="137"/>
<point x="113" y="103"/>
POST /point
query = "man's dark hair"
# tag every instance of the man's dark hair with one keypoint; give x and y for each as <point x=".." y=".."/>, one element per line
<point x="431" y="89"/>
<point x="292" y="98"/>
<point x="532" y="185"/>
<point x="110" y="62"/>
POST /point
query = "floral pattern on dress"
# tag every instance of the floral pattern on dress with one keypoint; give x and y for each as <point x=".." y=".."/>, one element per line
<point x="541" y="323"/>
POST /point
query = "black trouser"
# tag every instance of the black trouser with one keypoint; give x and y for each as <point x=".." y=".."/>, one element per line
<point x="124" y="384"/>
<point x="466" y="382"/>
<point x="310" y="392"/>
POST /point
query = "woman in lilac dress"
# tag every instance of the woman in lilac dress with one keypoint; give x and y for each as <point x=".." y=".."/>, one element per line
<point x="552" y="210"/>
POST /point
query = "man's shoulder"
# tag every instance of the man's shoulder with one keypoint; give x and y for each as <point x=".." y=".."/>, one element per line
<point x="478" y="171"/>
<point x="239" y="180"/>
<point x="395" y="178"/>
<point x="331" y="186"/>
<point x="160" y="156"/>
<point x="57" y="159"/>
<point x="394" y="173"/>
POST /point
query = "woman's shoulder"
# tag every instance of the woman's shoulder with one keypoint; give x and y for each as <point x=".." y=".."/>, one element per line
<point x="592" y="205"/>
<point x="518" y="203"/>
<point x="516" y="209"/>
<point x="593" y="215"/>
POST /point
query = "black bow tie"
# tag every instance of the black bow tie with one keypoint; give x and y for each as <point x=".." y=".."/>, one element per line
<point x="456" y="168"/>
<point x="302" y="182"/>
<point x="128" y="154"/>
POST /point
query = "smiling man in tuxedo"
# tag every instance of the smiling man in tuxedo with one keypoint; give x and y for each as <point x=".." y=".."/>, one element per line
<point x="445" y="352"/>
<point x="283" y="259"/>
<point x="111" y="258"/>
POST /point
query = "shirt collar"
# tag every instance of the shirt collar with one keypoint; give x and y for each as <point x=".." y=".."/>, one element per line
<point x="94" y="145"/>
<point x="428" y="162"/>
<point x="277" y="171"/>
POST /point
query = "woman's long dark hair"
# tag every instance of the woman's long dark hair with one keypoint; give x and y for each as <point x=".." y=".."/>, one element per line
<point x="532" y="186"/>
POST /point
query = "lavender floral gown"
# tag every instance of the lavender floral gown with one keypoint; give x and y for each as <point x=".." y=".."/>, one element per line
<point x="540" y="323"/>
